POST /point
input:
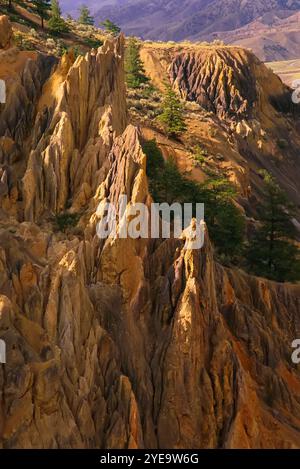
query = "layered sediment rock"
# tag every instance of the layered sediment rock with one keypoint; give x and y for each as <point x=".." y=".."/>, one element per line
<point x="123" y="343"/>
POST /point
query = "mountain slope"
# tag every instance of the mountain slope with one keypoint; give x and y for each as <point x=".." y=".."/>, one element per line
<point x="190" y="18"/>
<point x="270" y="37"/>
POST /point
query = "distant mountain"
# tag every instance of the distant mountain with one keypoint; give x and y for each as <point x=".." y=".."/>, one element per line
<point x="182" y="19"/>
<point x="271" y="28"/>
<point x="270" y="37"/>
<point x="72" y="6"/>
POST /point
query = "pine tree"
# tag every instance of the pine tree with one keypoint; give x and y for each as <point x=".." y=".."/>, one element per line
<point x="135" y="73"/>
<point x="56" y="22"/>
<point x="85" y="16"/>
<point x="55" y="8"/>
<point x="172" y="116"/>
<point x="111" y="27"/>
<point x="225" y="222"/>
<point x="273" y="253"/>
<point x="42" y="8"/>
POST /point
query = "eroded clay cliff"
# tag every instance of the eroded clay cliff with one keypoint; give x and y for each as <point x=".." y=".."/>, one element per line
<point x="123" y="343"/>
<point x="240" y="110"/>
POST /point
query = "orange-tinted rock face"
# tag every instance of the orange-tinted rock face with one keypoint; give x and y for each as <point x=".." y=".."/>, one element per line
<point x="5" y="32"/>
<point x="124" y="343"/>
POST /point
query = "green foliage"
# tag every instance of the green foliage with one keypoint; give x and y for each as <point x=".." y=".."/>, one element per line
<point x="64" y="221"/>
<point x="228" y="231"/>
<point x="172" y="116"/>
<point x="21" y="42"/>
<point x="111" y="27"/>
<point x="225" y="222"/>
<point x="135" y="73"/>
<point x="61" y="48"/>
<point x="199" y="155"/>
<point x="93" y="43"/>
<point x="41" y="8"/>
<point x="85" y="16"/>
<point x="55" y="8"/>
<point x="56" y="23"/>
<point x="272" y="252"/>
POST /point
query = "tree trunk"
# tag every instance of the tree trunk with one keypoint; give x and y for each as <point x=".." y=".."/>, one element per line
<point x="42" y="19"/>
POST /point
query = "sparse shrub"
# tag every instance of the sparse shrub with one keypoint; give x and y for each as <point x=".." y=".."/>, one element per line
<point x="34" y="33"/>
<point x="220" y="157"/>
<point x="61" y="48"/>
<point x="50" y="43"/>
<point x="77" y="51"/>
<point x="199" y="155"/>
<point x="212" y="132"/>
<point x="22" y="42"/>
<point x="64" y="221"/>
<point x="282" y="143"/>
<point x="93" y="43"/>
<point x="137" y="104"/>
<point x="18" y="39"/>
<point x="218" y="42"/>
<point x="192" y="106"/>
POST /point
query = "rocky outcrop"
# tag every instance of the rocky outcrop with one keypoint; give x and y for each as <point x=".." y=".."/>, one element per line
<point x="135" y="345"/>
<point x="23" y="91"/>
<point x="223" y="80"/>
<point x="5" y="32"/>
<point x="24" y="74"/>
<point x="245" y="112"/>
<point x="125" y="343"/>
<point x="73" y="136"/>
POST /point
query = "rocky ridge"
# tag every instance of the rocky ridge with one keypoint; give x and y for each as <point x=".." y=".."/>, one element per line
<point x="237" y="108"/>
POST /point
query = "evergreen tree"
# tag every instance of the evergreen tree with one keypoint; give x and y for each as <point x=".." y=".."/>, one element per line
<point x="225" y="222"/>
<point x="85" y="16"/>
<point x="42" y="8"/>
<point x="111" y="27"/>
<point x="55" y="8"/>
<point x="135" y="73"/>
<point x="56" y="22"/>
<point x="273" y="253"/>
<point x="172" y="116"/>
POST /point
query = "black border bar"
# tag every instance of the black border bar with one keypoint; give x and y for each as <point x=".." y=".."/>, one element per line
<point x="145" y="458"/>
